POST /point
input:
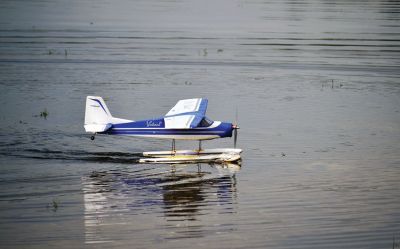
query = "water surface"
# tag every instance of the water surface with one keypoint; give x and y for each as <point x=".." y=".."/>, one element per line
<point x="316" y="86"/>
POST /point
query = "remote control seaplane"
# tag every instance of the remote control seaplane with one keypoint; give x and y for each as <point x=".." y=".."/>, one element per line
<point x="185" y="121"/>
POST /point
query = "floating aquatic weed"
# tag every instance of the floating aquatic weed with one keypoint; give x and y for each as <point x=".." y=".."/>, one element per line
<point x="395" y="243"/>
<point x="332" y="83"/>
<point x="53" y="205"/>
<point x="44" y="113"/>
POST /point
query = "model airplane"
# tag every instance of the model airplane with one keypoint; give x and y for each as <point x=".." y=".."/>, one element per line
<point x="186" y="121"/>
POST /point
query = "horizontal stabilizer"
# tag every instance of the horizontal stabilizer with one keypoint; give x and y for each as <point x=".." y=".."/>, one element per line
<point x="94" y="128"/>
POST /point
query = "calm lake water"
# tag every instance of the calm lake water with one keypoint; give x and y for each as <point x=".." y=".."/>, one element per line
<point x="316" y="85"/>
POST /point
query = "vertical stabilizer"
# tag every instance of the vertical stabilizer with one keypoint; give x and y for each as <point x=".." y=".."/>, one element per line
<point x="97" y="116"/>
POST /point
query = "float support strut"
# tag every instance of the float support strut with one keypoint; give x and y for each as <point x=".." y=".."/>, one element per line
<point x="173" y="147"/>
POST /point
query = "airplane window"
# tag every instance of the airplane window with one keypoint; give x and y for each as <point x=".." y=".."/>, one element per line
<point x="205" y="122"/>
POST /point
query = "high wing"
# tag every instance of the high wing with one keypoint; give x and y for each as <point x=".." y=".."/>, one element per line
<point x="186" y="114"/>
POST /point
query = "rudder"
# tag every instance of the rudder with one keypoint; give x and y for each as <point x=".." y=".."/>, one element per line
<point x="97" y="116"/>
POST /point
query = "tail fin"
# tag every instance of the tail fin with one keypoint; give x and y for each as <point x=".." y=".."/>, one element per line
<point x="97" y="116"/>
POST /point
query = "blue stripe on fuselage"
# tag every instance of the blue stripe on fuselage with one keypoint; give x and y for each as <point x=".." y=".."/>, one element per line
<point x="222" y="130"/>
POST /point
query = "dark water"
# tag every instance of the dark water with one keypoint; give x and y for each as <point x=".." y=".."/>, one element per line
<point x="316" y="85"/>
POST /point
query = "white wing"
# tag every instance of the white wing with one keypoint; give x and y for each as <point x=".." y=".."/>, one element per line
<point x="184" y="106"/>
<point x="179" y="122"/>
<point x="186" y="114"/>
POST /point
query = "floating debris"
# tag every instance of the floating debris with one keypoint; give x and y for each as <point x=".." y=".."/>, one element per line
<point x="44" y="113"/>
<point x="53" y="205"/>
<point x="395" y="243"/>
<point x="331" y="84"/>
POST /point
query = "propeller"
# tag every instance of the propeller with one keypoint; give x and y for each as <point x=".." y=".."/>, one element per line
<point x="235" y="128"/>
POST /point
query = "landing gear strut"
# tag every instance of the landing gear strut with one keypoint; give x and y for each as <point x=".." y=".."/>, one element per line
<point x="173" y="147"/>
<point x="173" y="151"/>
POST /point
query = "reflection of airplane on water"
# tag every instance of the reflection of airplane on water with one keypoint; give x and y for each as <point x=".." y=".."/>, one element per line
<point x="184" y="199"/>
<point x="184" y="193"/>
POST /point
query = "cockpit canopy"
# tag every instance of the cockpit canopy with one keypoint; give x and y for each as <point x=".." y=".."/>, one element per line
<point x="205" y="122"/>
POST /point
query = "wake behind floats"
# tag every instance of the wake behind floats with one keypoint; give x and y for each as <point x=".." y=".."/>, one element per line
<point x="185" y="121"/>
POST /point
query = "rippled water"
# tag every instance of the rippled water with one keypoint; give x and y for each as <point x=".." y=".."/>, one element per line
<point x="316" y="86"/>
